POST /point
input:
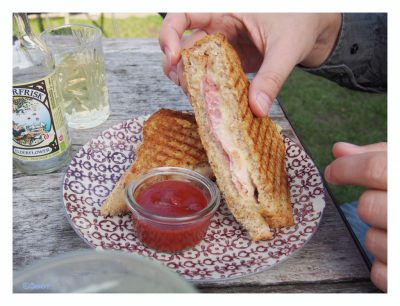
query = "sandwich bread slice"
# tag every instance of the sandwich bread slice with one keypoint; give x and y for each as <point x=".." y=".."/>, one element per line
<point x="170" y="138"/>
<point x="246" y="154"/>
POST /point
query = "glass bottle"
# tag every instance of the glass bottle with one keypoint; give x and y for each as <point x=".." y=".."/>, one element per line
<point x="41" y="141"/>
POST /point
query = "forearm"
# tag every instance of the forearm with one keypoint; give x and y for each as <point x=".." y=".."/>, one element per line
<point x="359" y="58"/>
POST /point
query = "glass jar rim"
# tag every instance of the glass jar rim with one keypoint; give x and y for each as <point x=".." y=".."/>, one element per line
<point x="97" y="33"/>
<point x="133" y="206"/>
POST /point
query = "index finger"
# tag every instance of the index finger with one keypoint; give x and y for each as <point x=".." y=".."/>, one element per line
<point x="172" y="29"/>
<point x="343" y="148"/>
<point x="365" y="169"/>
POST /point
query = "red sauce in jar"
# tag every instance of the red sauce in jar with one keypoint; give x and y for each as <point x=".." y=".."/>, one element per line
<point x="173" y="199"/>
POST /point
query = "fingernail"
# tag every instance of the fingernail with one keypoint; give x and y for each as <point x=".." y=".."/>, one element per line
<point x="327" y="173"/>
<point x="263" y="102"/>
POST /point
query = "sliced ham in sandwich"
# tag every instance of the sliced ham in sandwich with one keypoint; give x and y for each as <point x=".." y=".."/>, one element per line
<point x="246" y="154"/>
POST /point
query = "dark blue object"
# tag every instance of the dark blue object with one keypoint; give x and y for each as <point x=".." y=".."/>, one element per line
<point x="357" y="225"/>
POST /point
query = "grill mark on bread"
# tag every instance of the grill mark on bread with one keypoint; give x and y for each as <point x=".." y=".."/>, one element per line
<point x="237" y="81"/>
<point x="183" y="150"/>
<point x="243" y="98"/>
<point x="266" y="169"/>
<point x="175" y="152"/>
<point x="262" y="132"/>
<point x="257" y="133"/>
<point x="184" y="140"/>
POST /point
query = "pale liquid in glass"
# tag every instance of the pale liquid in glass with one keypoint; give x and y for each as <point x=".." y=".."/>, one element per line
<point x="84" y="89"/>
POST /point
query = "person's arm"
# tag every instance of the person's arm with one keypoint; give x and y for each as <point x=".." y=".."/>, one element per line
<point x="359" y="59"/>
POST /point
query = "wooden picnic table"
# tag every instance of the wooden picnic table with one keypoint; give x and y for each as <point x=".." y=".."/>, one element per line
<point x="329" y="262"/>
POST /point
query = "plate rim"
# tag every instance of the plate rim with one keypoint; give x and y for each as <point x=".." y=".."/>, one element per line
<point x="206" y="280"/>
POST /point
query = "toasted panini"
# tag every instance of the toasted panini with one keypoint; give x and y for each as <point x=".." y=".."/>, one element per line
<point x="246" y="154"/>
<point x="170" y="138"/>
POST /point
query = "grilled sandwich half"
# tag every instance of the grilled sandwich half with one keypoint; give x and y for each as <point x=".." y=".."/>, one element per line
<point x="170" y="138"/>
<point x="246" y="154"/>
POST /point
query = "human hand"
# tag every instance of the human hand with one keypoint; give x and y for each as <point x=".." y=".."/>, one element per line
<point x="366" y="166"/>
<point x="269" y="44"/>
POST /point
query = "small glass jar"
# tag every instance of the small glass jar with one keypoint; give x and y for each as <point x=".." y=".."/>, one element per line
<point x="171" y="233"/>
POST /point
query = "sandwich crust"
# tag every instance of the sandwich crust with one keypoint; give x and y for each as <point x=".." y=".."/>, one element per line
<point x="258" y="138"/>
<point x="170" y="138"/>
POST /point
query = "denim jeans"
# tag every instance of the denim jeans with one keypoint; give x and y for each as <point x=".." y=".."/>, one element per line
<point x="358" y="226"/>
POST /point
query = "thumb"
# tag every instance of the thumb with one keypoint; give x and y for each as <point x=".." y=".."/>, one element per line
<point x="277" y="65"/>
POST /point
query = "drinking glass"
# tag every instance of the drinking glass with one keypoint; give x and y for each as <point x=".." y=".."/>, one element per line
<point x="79" y="58"/>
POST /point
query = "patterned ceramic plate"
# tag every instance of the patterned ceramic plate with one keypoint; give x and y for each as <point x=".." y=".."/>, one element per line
<point x="226" y="251"/>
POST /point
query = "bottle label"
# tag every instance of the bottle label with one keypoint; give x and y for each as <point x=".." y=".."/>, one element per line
<point x="39" y="130"/>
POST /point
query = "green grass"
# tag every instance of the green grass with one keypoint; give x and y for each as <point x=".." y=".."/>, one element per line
<point x="131" y="27"/>
<point x="323" y="113"/>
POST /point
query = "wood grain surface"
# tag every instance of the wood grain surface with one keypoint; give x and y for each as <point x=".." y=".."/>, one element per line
<point x="329" y="262"/>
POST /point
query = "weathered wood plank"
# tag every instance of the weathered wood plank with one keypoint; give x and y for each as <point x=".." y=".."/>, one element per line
<point x="350" y="286"/>
<point x="325" y="257"/>
<point x="330" y="261"/>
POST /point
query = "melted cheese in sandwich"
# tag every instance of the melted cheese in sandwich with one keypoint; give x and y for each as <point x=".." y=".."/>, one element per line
<point x="221" y="131"/>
